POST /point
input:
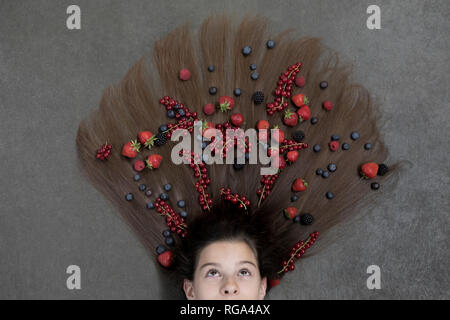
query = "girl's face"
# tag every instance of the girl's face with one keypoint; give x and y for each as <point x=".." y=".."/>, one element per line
<point x="226" y="270"/>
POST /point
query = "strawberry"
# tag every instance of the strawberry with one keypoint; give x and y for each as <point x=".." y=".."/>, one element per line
<point x="146" y="138"/>
<point x="304" y="113"/>
<point x="278" y="134"/>
<point x="292" y="156"/>
<point x="139" y="165"/>
<point x="327" y="105"/>
<point x="290" y="118"/>
<point x="208" y="129"/>
<point x="272" y="151"/>
<point x="226" y="103"/>
<point x="131" y="149"/>
<point x="263" y="124"/>
<point x="274" y="282"/>
<point x="299" y="185"/>
<point x="153" y="161"/>
<point x="290" y="212"/>
<point x="369" y="170"/>
<point x="334" y="145"/>
<point x="278" y="162"/>
<point x="263" y="135"/>
<point x="166" y="258"/>
<point x="237" y="119"/>
<point x="208" y="109"/>
<point x="300" y="100"/>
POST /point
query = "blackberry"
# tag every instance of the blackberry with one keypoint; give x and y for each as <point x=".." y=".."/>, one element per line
<point x="382" y="169"/>
<point x="258" y="97"/>
<point x="298" y="136"/>
<point x="306" y="219"/>
<point x="160" y="140"/>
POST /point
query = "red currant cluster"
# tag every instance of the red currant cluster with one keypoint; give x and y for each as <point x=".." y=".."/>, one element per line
<point x="235" y="198"/>
<point x="267" y="182"/>
<point x="104" y="151"/>
<point x="200" y="172"/>
<point x="174" y="221"/>
<point x="185" y="119"/>
<point x="239" y="140"/>
<point x="297" y="251"/>
<point x="290" y="145"/>
<point x="284" y="89"/>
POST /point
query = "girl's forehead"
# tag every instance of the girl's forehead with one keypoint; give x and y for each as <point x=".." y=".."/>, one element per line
<point x="226" y="251"/>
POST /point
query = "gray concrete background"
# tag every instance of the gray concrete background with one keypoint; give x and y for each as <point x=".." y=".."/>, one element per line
<point x="50" y="78"/>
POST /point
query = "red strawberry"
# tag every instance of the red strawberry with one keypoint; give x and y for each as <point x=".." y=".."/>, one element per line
<point x="153" y="161"/>
<point x="300" y="82"/>
<point x="279" y="162"/>
<point x="131" y="149"/>
<point x="226" y="103"/>
<point x="146" y="138"/>
<point x="334" y="145"/>
<point x="278" y="134"/>
<point x="263" y="124"/>
<point x="272" y="151"/>
<point x="327" y="105"/>
<point x="139" y="165"/>
<point x="274" y="282"/>
<point x="304" y="113"/>
<point x="166" y="258"/>
<point x="369" y="170"/>
<point x="299" y="185"/>
<point x="185" y="74"/>
<point x="237" y="119"/>
<point x="290" y="118"/>
<point x="300" y="100"/>
<point x="292" y="156"/>
<point x="208" y="109"/>
<point x="207" y="126"/>
<point x="263" y="135"/>
<point x="290" y="212"/>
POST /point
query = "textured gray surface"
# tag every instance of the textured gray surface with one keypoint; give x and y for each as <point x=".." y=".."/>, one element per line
<point x="50" y="78"/>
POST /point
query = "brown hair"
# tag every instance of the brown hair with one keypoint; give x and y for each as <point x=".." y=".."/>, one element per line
<point x="134" y="105"/>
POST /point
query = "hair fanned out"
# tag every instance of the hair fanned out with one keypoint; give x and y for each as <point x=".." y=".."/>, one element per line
<point x="136" y="104"/>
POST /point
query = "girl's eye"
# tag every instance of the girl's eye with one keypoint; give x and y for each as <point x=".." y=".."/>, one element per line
<point x="245" y="272"/>
<point x="212" y="273"/>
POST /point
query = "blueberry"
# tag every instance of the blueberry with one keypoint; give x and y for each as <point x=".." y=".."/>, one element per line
<point x="255" y="75"/>
<point x="325" y="174"/>
<point x="160" y="249"/>
<point x="167" y="187"/>
<point x="142" y="187"/>
<point x="297" y="219"/>
<point x="150" y="205"/>
<point x="316" y="148"/>
<point x="210" y="68"/>
<point x="237" y="92"/>
<point x="345" y="146"/>
<point x="166" y="233"/>
<point x="246" y="50"/>
<point x="129" y="196"/>
<point x="162" y="128"/>
<point x="323" y="85"/>
<point x="294" y="198"/>
<point x="253" y="66"/>
<point x="354" y="135"/>
<point x="170" y="241"/>
<point x="148" y="193"/>
<point x="332" y="167"/>
<point x="368" y="146"/>
<point x="171" y="114"/>
<point x="181" y="112"/>
<point x="164" y="196"/>
<point x="375" y="185"/>
<point x="335" y="137"/>
<point x="137" y="177"/>
<point x="330" y="195"/>
<point x="270" y="44"/>
<point x="212" y="90"/>
<point x="181" y="204"/>
<point x="183" y="214"/>
<point x="176" y="107"/>
<point x="319" y="172"/>
<point x="204" y="145"/>
<point x="314" y="120"/>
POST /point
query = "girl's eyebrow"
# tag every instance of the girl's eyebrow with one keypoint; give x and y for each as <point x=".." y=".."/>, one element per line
<point x="218" y="264"/>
